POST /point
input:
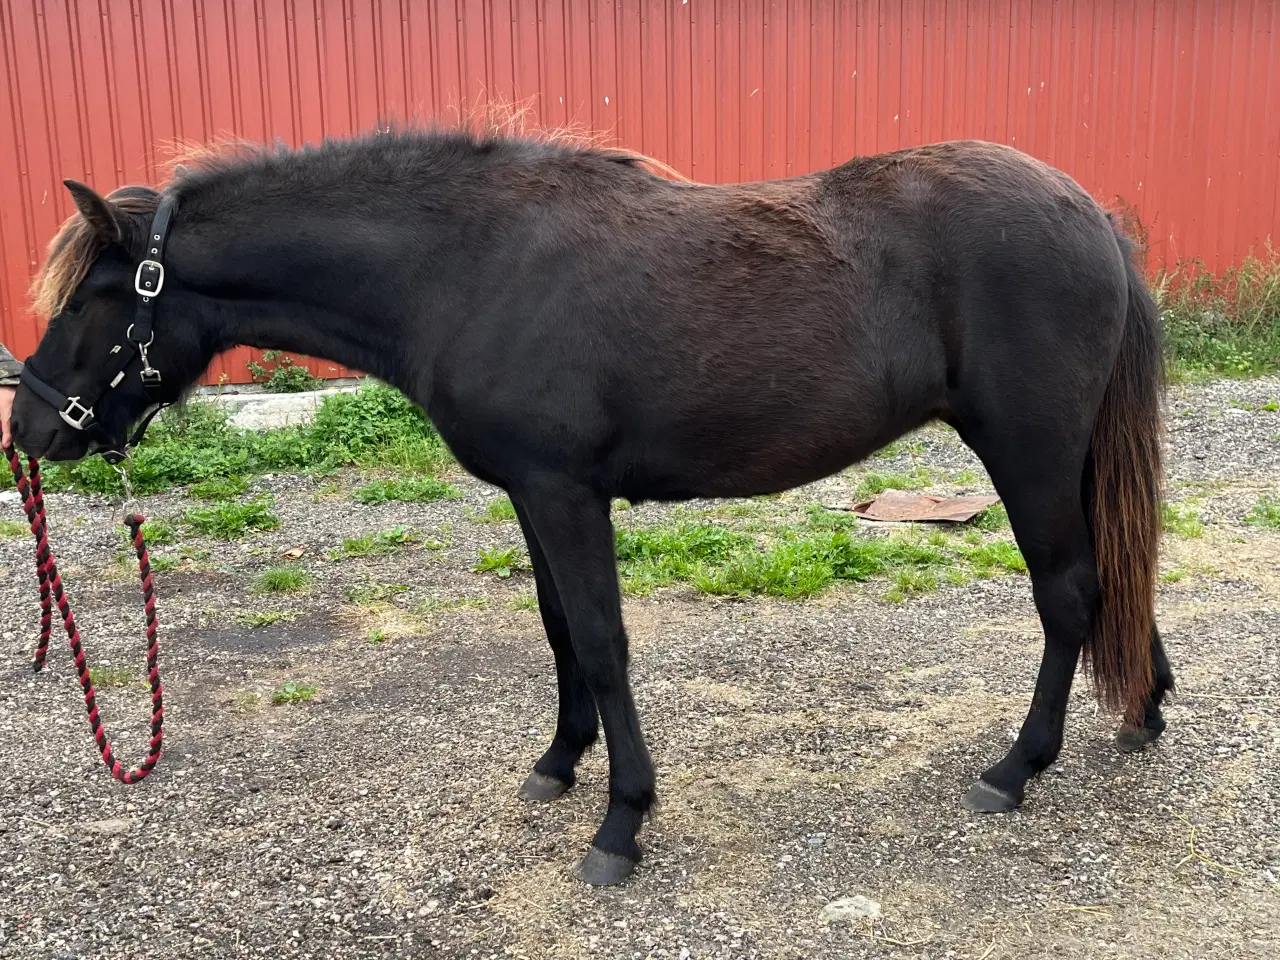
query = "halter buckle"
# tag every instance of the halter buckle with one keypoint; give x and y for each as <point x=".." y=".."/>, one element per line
<point x="146" y="289"/>
<point x="76" y="413"/>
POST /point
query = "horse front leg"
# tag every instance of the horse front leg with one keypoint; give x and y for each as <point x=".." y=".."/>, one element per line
<point x="571" y="525"/>
<point x="578" y="721"/>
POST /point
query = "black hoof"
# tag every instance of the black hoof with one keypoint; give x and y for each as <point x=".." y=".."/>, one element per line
<point x="539" y="788"/>
<point x="1131" y="739"/>
<point x="984" y="798"/>
<point x="600" y="869"/>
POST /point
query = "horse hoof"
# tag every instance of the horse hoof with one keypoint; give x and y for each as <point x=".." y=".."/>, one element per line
<point x="1131" y="739"/>
<point x="984" y="798"/>
<point x="600" y="869"/>
<point x="539" y="788"/>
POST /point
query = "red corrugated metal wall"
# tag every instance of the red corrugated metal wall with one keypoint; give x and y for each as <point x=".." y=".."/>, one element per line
<point x="1172" y="106"/>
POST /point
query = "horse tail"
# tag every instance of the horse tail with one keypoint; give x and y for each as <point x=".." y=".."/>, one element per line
<point x="1127" y="488"/>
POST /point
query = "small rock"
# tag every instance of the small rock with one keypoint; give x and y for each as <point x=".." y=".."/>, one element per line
<point x="850" y="908"/>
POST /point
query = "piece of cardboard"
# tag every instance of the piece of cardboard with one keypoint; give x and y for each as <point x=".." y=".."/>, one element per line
<point x="896" y="507"/>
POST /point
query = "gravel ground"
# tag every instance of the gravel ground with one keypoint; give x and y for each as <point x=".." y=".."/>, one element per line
<point x="805" y="751"/>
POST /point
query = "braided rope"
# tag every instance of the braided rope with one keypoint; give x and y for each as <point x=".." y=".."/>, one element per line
<point x="51" y="591"/>
<point x="33" y="505"/>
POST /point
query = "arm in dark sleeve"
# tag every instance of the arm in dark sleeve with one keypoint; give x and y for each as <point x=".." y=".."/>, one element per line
<point x="10" y="369"/>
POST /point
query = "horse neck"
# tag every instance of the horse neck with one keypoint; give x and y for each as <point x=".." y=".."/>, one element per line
<point x="371" y="282"/>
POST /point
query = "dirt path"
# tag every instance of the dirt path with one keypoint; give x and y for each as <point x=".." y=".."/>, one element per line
<point x="805" y="752"/>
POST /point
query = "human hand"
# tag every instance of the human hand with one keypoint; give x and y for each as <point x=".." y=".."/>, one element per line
<point x="6" y="411"/>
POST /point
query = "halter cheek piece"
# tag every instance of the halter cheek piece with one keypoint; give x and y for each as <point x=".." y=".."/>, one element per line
<point x="148" y="281"/>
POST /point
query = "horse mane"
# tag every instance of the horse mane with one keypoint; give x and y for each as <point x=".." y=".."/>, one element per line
<point x="76" y="245"/>
<point x="483" y="124"/>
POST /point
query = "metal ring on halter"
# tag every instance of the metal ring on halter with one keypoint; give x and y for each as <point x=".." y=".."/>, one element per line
<point x="140" y="346"/>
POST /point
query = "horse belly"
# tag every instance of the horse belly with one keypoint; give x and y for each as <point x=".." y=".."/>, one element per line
<point x="743" y="456"/>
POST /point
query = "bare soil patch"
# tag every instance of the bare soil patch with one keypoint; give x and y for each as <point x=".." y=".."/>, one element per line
<point x="806" y="751"/>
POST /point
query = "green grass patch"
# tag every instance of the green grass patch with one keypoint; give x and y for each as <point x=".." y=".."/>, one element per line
<point x="989" y="559"/>
<point x="375" y="544"/>
<point x="218" y="488"/>
<point x="162" y="561"/>
<point x="819" y="517"/>
<point x="265" y="618"/>
<point x="502" y="562"/>
<point x="283" y="579"/>
<point x="246" y="702"/>
<point x="1225" y="324"/>
<point x="1180" y="520"/>
<point x="649" y="557"/>
<point x="791" y="570"/>
<point x="437" y="604"/>
<point x="409" y="489"/>
<point x="1267" y="406"/>
<point x="912" y="447"/>
<point x="875" y="483"/>
<point x="501" y="510"/>
<point x="113" y="676"/>
<point x="910" y="581"/>
<point x="376" y="635"/>
<point x="737" y="510"/>
<point x="12" y="528"/>
<point x="371" y="592"/>
<point x="1265" y="514"/>
<point x="325" y="491"/>
<point x="804" y="563"/>
<point x="293" y="692"/>
<point x="526" y="600"/>
<point x="791" y="561"/>
<point x="156" y="533"/>
<point x="995" y="517"/>
<point x="229" y="521"/>
<point x="376" y="426"/>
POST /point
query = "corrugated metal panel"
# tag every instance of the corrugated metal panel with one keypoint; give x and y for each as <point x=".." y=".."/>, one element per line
<point x="1168" y="105"/>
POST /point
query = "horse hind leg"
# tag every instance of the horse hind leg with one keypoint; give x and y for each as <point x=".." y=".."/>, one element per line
<point x="1132" y="737"/>
<point x="1040" y="486"/>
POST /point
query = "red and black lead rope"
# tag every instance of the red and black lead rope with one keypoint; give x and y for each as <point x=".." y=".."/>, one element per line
<point x="51" y="592"/>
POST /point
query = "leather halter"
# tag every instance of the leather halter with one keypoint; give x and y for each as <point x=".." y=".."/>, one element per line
<point x="148" y="281"/>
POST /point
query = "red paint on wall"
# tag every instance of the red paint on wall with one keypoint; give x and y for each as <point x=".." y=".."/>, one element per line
<point x="1170" y="106"/>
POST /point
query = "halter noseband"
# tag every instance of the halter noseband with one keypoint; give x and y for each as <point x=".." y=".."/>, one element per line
<point x="148" y="281"/>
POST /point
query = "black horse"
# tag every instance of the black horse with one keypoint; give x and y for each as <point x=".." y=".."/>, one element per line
<point x="580" y="328"/>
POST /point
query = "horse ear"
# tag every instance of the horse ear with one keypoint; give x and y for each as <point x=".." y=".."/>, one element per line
<point x="96" y="211"/>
